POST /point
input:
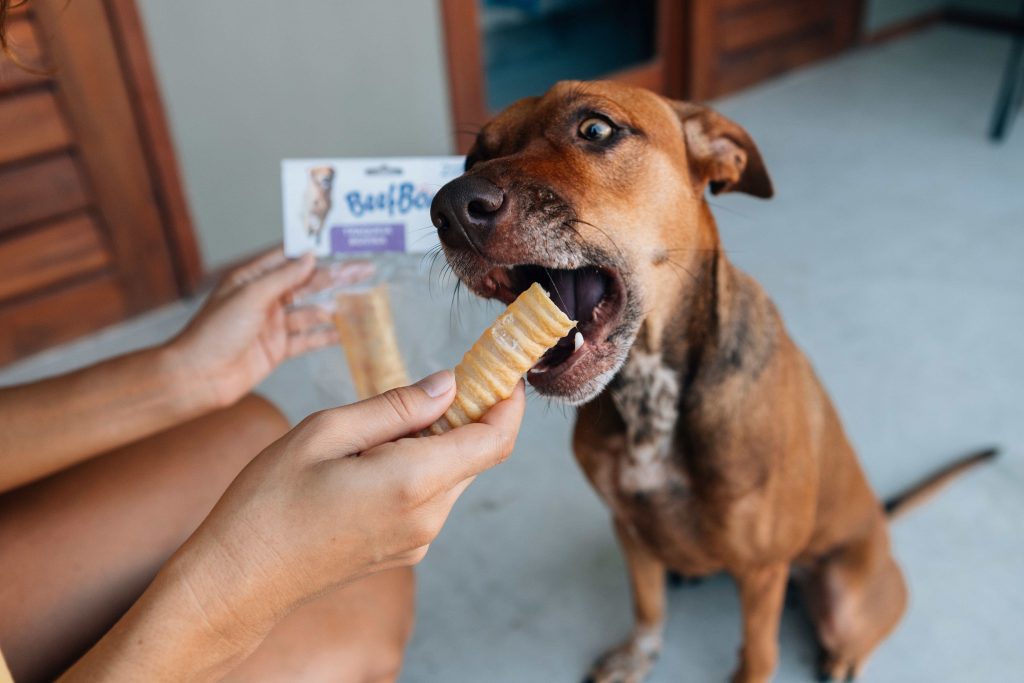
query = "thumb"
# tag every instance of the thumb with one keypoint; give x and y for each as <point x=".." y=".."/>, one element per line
<point x="391" y="415"/>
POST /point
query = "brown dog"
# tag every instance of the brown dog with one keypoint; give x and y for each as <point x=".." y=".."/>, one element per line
<point x="701" y="424"/>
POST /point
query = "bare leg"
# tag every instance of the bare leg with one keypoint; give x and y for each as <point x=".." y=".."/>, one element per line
<point x="762" y="591"/>
<point x="80" y="546"/>
<point x="631" y="661"/>
<point x="356" y="634"/>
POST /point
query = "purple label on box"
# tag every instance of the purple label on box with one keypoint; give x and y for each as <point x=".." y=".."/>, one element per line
<point x="367" y="237"/>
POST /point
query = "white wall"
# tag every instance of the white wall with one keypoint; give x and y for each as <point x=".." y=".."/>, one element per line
<point x="249" y="82"/>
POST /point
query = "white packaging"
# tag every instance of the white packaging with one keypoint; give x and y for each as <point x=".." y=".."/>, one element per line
<point x="368" y="222"/>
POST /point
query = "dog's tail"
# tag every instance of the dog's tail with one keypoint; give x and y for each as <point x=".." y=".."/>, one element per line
<point x="910" y="498"/>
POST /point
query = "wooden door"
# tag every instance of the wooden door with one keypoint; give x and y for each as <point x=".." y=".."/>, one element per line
<point x="736" y="43"/>
<point x="93" y="222"/>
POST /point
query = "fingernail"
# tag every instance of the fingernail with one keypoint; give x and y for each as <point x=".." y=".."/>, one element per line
<point x="438" y="384"/>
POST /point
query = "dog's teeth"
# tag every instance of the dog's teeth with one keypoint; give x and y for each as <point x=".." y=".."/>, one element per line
<point x="537" y="371"/>
<point x="577" y="341"/>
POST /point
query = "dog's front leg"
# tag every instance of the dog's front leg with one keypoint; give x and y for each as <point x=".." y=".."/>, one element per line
<point x="762" y="590"/>
<point x="632" y="660"/>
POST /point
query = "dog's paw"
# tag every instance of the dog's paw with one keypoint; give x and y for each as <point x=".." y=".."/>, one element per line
<point x="621" y="665"/>
<point x="627" y="663"/>
<point x="836" y="669"/>
<point x="742" y="676"/>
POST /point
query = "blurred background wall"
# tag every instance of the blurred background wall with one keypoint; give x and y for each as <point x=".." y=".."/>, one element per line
<point x="235" y="77"/>
<point x="231" y="138"/>
<point x="238" y="98"/>
<point x="95" y="213"/>
<point x="881" y="14"/>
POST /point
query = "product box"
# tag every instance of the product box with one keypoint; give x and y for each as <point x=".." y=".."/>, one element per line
<point x="340" y="207"/>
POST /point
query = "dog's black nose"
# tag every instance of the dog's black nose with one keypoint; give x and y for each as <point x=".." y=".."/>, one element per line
<point x="465" y="211"/>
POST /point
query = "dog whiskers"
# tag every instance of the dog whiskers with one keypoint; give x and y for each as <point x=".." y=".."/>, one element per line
<point x="722" y="207"/>
<point x="455" y="313"/>
<point x="431" y="256"/>
<point x="559" y="294"/>
<point x="608" y="237"/>
<point x="677" y="267"/>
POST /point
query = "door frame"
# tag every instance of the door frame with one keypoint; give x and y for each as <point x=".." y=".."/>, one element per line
<point x="116" y="47"/>
<point x="158" y="144"/>
<point x="666" y="73"/>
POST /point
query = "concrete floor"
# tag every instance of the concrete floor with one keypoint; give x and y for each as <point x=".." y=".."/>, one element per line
<point x="894" y="250"/>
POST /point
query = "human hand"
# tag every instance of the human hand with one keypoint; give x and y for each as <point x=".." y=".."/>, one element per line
<point x="341" y="496"/>
<point x="246" y="328"/>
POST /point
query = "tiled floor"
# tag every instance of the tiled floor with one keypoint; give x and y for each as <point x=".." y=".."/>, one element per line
<point x="894" y="249"/>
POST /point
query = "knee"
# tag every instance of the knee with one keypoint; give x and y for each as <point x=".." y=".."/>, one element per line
<point x="385" y="665"/>
<point x="253" y="424"/>
<point x="216" y="446"/>
<point x="355" y="634"/>
<point x="263" y="418"/>
<point x="384" y="657"/>
<point x="388" y="614"/>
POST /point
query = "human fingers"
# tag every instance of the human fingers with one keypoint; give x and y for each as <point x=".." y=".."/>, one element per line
<point x="252" y="269"/>
<point x="439" y="463"/>
<point x="312" y="339"/>
<point x="335" y="276"/>
<point x="352" y="272"/>
<point x="276" y="283"/>
<point x="396" y="413"/>
<point x="306" y="318"/>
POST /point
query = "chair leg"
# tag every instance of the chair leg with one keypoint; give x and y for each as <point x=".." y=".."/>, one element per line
<point x="1011" y="92"/>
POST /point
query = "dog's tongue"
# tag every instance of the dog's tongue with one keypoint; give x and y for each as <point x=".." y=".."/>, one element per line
<point x="576" y="292"/>
<point x="591" y="286"/>
<point x="562" y="286"/>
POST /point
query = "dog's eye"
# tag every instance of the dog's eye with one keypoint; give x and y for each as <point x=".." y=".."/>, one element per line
<point x="596" y="130"/>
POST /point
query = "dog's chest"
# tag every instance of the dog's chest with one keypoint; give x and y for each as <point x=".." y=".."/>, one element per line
<point x="646" y="395"/>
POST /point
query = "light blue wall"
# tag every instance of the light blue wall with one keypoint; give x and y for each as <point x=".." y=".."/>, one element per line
<point x="248" y="82"/>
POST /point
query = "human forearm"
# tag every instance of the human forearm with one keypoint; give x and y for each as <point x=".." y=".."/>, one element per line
<point x="241" y="334"/>
<point x="50" y="425"/>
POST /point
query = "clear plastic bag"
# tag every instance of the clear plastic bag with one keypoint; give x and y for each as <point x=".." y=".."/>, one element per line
<point x="369" y="221"/>
<point x="428" y="331"/>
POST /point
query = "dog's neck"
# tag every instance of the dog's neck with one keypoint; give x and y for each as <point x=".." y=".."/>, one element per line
<point x="719" y="326"/>
<point x="696" y="357"/>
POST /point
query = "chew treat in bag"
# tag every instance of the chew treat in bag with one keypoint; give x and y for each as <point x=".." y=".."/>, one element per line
<point x="513" y="344"/>
<point x="367" y="331"/>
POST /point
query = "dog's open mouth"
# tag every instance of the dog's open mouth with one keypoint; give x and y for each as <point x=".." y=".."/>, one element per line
<point x="591" y="295"/>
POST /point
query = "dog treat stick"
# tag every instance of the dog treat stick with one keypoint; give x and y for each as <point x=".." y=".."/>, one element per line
<point x="367" y="332"/>
<point x="513" y="344"/>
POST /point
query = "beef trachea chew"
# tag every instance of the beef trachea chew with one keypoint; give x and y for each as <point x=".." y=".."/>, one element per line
<point x="367" y="331"/>
<point x="513" y="344"/>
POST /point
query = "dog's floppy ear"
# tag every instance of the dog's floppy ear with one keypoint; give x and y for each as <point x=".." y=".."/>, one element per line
<point x="721" y="153"/>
